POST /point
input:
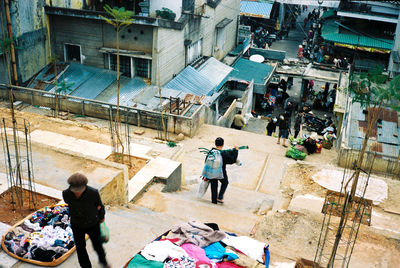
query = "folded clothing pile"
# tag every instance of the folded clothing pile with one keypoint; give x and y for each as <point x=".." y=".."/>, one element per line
<point x="46" y="236"/>
<point x="195" y="244"/>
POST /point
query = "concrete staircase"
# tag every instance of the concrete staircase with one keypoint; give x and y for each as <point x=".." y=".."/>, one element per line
<point x="239" y="213"/>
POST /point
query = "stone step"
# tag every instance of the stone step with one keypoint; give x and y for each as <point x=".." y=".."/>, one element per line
<point x="241" y="199"/>
<point x="234" y="215"/>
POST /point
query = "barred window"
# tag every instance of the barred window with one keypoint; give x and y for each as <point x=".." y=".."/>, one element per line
<point x="143" y="67"/>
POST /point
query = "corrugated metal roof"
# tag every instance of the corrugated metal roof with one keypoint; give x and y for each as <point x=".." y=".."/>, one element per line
<point x="191" y="81"/>
<point x="169" y="92"/>
<point x="76" y="75"/>
<point x="215" y="71"/>
<point x="256" y="9"/>
<point x="248" y="70"/>
<point x="93" y="86"/>
<point x="128" y="91"/>
<point x="330" y="32"/>
<point x="386" y="141"/>
<point x="385" y="133"/>
<point x="328" y="13"/>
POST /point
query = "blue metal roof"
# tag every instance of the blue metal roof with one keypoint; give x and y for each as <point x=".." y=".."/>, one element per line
<point x="248" y="70"/>
<point x="215" y="71"/>
<point x="128" y="91"/>
<point x="256" y="9"/>
<point x="77" y="74"/>
<point x="385" y="133"/>
<point x="92" y="87"/>
<point x="191" y="81"/>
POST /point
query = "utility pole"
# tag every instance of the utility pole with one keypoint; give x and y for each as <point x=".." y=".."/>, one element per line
<point x="12" y="48"/>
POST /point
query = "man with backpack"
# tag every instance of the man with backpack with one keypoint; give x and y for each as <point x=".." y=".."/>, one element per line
<point x="215" y="168"/>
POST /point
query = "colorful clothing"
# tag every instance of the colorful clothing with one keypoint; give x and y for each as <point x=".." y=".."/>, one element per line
<point x="183" y="262"/>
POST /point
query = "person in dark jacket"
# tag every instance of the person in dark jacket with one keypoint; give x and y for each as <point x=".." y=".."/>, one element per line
<point x="86" y="212"/>
<point x="229" y="157"/>
<point x="283" y="129"/>
<point x="297" y="124"/>
<point x="271" y="127"/>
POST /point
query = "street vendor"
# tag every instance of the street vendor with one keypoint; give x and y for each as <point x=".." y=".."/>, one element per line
<point x="87" y="212"/>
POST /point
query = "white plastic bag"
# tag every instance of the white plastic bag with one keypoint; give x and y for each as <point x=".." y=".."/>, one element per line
<point x="203" y="186"/>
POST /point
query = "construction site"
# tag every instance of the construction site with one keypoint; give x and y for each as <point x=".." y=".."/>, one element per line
<point x="291" y="205"/>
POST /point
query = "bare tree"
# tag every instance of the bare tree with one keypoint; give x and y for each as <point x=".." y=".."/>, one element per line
<point x="119" y="18"/>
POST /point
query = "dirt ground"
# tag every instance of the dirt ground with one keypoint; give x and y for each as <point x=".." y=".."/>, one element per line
<point x="64" y="127"/>
<point x="294" y="235"/>
<point x="10" y="216"/>
<point x="298" y="178"/>
<point x="134" y="164"/>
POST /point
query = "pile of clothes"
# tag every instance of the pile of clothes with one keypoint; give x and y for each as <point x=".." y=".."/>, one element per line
<point x="307" y="144"/>
<point x="46" y="236"/>
<point x="195" y="244"/>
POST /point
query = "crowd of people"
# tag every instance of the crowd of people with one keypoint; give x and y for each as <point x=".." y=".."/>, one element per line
<point x="313" y="49"/>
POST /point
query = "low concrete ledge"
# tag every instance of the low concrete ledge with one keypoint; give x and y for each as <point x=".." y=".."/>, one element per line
<point x="114" y="189"/>
<point x="160" y="168"/>
<point x="40" y="189"/>
<point x="307" y="202"/>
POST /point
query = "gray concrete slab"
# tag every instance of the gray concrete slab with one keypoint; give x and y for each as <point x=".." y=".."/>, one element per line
<point x="52" y="168"/>
<point x="238" y="213"/>
<point x="245" y="176"/>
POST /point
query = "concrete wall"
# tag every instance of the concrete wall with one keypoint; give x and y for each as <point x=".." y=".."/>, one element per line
<point x="168" y="54"/>
<point x="247" y="99"/>
<point x="382" y="164"/>
<point x="77" y="31"/>
<point x="168" y="44"/>
<point x="134" y="37"/>
<point x="227" y="9"/>
<point x="77" y="4"/>
<point x="204" y="28"/>
<point x="227" y="119"/>
<point x="30" y="32"/>
<point x="3" y="71"/>
<point x="202" y="116"/>
<point x="175" y="124"/>
<point x="175" y="6"/>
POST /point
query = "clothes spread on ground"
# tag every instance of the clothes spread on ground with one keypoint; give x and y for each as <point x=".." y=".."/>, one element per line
<point x="162" y="250"/>
<point x="197" y="253"/>
<point x="188" y="245"/>
<point x="249" y="246"/>
<point x="46" y="236"/>
<point x="182" y="262"/>
<point x="244" y="260"/>
<point x="196" y="233"/>
<point x="217" y="252"/>
<point x="141" y="262"/>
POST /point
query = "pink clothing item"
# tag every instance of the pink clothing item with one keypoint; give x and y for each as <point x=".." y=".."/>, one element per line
<point x="196" y="253"/>
<point x="227" y="264"/>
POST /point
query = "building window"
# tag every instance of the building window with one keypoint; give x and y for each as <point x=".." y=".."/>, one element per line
<point x="220" y="39"/>
<point x="142" y="67"/>
<point x="194" y="51"/>
<point x="124" y="64"/>
<point x="72" y="53"/>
